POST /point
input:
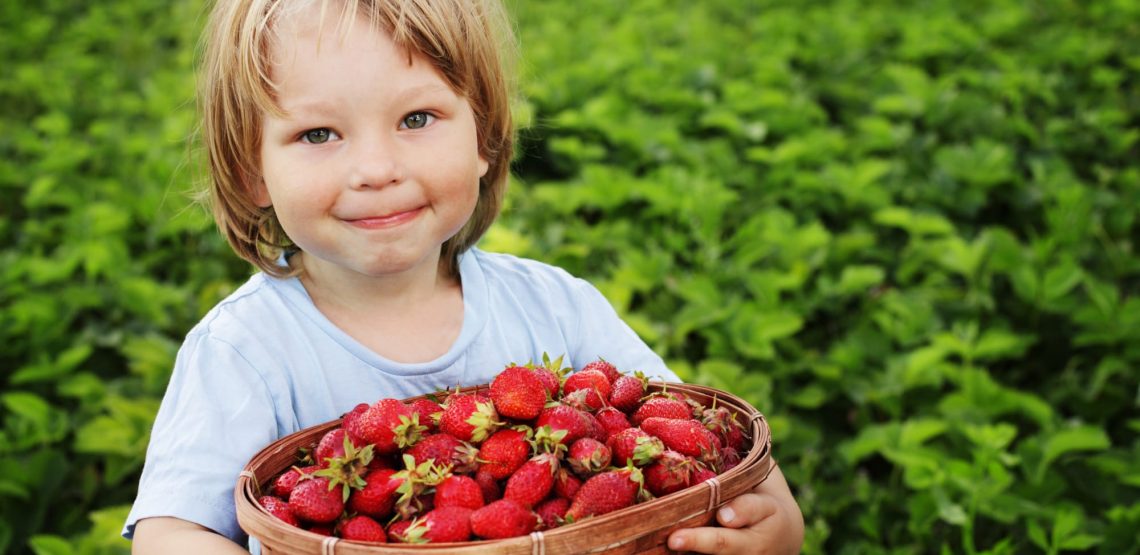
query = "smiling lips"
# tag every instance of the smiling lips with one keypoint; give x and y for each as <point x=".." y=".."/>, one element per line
<point x="386" y="221"/>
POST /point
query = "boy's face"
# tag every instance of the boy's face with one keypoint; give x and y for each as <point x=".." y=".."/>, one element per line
<point x="375" y="163"/>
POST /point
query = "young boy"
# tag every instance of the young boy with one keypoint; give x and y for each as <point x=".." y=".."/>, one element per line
<point x="357" y="152"/>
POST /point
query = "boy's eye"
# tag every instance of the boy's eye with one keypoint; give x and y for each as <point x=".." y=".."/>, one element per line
<point x="317" y="136"/>
<point x="417" y="120"/>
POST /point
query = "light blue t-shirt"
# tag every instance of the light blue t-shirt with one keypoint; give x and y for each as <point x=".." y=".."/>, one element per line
<point x="265" y="363"/>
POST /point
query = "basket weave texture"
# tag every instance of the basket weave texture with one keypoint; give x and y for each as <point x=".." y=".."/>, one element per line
<point x="642" y="528"/>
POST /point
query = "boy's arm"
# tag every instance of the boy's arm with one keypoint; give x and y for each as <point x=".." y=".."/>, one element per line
<point x="765" y="520"/>
<point x="169" y="535"/>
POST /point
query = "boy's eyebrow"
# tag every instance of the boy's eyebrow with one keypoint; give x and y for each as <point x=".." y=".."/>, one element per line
<point x="320" y="107"/>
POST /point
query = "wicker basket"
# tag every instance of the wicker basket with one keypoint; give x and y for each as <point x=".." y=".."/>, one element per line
<point x="642" y="528"/>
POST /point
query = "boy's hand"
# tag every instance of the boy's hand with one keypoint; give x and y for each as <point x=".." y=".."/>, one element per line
<point x="765" y="520"/>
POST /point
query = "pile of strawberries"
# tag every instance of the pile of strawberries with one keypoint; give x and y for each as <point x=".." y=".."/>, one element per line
<point x="543" y="448"/>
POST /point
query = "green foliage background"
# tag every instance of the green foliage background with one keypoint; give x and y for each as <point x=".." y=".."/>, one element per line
<point x="906" y="231"/>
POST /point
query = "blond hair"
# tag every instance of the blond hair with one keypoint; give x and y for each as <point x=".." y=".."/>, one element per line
<point x="469" y="42"/>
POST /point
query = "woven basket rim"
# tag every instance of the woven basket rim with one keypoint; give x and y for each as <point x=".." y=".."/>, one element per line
<point x="702" y="499"/>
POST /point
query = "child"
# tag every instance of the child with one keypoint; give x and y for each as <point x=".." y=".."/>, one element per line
<point x="357" y="152"/>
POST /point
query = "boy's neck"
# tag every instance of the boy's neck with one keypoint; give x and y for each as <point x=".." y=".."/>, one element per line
<point x="412" y="317"/>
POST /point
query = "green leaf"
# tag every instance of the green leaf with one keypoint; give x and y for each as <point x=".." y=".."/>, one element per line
<point x="1061" y="279"/>
<point x="50" y="545"/>
<point x="1083" y="438"/>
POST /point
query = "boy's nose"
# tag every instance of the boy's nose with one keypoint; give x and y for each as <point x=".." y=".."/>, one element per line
<point x="375" y="168"/>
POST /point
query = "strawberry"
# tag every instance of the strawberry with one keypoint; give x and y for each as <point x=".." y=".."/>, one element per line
<point x="490" y="486"/>
<point x="722" y="422"/>
<point x="550" y="374"/>
<point x="458" y="490"/>
<point x="440" y="525"/>
<point x="389" y="425"/>
<point x="317" y="500"/>
<point x="518" y="393"/>
<point x="627" y="391"/>
<point x="566" y="485"/>
<point x="397" y="530"/>
<point x="606" y="492"/>
<point x="532" y="481"/>
<point x="279" y="508"/>
<point x="562" y="417"/>
<point x="597" y="431"/>
<point x="663" y="407"/>
<point x="588" y="456"/>
<point x="286" y="481"/>
<point x="552" y="512"/>
<point x="672" y="472"/>
<point x="612" y="421"/>
<point x="503" y="519"/>
<point x="636" y="446"/>
<point x="701" y="474"/>
<point x="331" y="445"/>
<point x="350" y="425"/>
<point x="469" y="417"/>
<point x="415" y="479"/>
<point x="593" y="382"/>
<point x="428" y="411"/>
<point x="363" y="529"/>
<point x="378" y="495"/>
<point x="608" y="370"/>
<point x="687" y="437"/>
<point x="321" y="528"/>
<point x="447" y="451"/>
<point x="504" y="452"/>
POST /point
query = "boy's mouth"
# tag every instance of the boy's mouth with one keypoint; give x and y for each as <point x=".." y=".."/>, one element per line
<point x="388" y="220"/>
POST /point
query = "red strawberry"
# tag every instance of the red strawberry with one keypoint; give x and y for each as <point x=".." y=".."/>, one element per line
<point x="490" y="486"/>
<point x="397" y="531"/>
<point x="575" y="422"/>
<point x="322" y="528"/>
<point x="447" y="451"/>
<point x="286" y="481"/>
<point x="428" y="412"/>
<point x="636" y="446"/>
<point x="280" y="509"/>
<point x="612" y="420"/>
<point x="663" y="407"/>
<point x="593" y="382"/>
<point x="597" y="431"/>
<point x="331" y="445"/>
<point x="687" y="437"/>
<point x="441" y="525"/>
<point x="317" y="500"/>
<point x="378" y="495"/>
<point x="532" y="481"/>
<point x="388" y="425"/>
<point x="701" y="474"/>
<point x="470" y="417"/>
<point x="503" y="519"/>
<point x="550" y="374"/>
<point x="552" y="512"/>
<point x="672" y="472"/>
<point x="606" y="492"/>
<point x="350" y="422"/>
<point x="504" y="452"/>
<point x="627" y="392"/>
<point x="608" y="370"/>
<point x="566" y="485"/>
<point x="518" y="393"/>
<point x="722" y="422"/>
<point x="588" y="456"/>
<point x="363" y="529"/>
<point x="458" y="490"/>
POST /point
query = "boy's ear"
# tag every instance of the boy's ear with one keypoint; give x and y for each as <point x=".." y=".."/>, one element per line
<point x="260" y="194"/>
<point x="484" y="165"/>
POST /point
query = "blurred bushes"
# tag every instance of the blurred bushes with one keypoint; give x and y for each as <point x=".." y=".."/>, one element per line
<point x="906" y="232"/>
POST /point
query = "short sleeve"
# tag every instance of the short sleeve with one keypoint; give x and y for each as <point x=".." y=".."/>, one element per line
<point x="602" y="333"/>
<point x="216" y="414"/>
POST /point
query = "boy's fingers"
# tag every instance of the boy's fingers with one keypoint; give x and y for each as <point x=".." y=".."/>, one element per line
<point x="746" y="510"/>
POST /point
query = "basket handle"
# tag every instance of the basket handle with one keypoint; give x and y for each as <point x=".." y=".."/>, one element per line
<point x="328" y="545"/>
